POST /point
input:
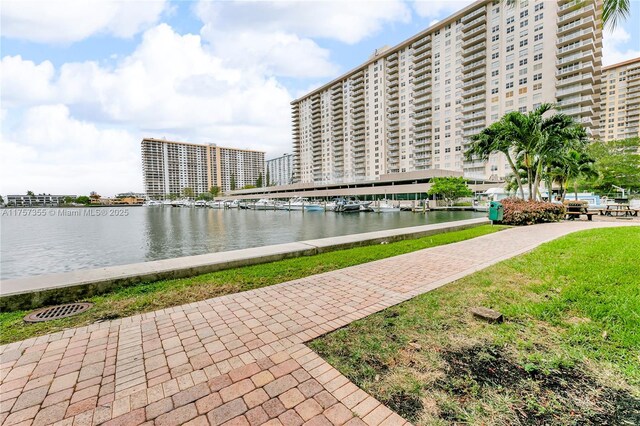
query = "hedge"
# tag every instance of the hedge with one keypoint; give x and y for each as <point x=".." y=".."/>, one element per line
<point x="520" y="212"/>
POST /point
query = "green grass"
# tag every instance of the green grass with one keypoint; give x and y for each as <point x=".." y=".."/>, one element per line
<point x="568" y="352"/>
<point x="133" y="300"/>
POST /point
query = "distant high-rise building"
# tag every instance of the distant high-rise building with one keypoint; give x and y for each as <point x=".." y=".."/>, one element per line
<point x="620" y="96"/>
<point x="414" y="106"/>
<point x="169" y="167"/>
<point x="280" y="171"/>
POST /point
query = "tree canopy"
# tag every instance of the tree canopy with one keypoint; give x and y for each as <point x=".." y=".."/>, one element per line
<point x="450" y="189"/>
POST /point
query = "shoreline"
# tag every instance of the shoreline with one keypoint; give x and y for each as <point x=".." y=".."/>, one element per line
<point x="40" y="290"/>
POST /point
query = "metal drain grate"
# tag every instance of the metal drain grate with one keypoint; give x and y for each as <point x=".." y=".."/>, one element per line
<point x="55" y="312"/>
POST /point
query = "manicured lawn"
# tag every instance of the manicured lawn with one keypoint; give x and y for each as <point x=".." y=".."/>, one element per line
<point x="568" y="352"/>
<point x="162" y="294"/>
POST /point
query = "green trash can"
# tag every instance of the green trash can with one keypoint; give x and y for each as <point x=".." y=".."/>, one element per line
<point x="496" y="211"/>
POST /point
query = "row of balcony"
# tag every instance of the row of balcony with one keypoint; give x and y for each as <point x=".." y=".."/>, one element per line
<point x="583" y="23"/>
<point x="473" y="40"/>
<point x="584" y="10"/>
<point x="577" y="35"/>
<point x="578" y="88"/>
<point x="579" y="67"/>
<point x="471" y="15"/>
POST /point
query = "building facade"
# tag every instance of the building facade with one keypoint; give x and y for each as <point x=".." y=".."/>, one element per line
<point x="40" y="200"/>
<point x="620" y="96"/>
<point x="168" y="167"/>
<point x="414" y="106"/>
<point x="279" y="171"/>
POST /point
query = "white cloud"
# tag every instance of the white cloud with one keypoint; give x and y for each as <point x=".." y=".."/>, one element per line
<point x="67" y="21"/>
<point x="276" y="53"/>
<point x="24" y="82"/>
<point x="438" y="9"/>
<point x="613" y="47"/>
<point x="170" y="86"/>
<point x="50" y="151"/>
<point x="345" y="21"/>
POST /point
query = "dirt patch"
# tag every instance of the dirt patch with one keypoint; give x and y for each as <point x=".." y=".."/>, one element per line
<point x="564" y="395"/>
<point x="407" y="405"/>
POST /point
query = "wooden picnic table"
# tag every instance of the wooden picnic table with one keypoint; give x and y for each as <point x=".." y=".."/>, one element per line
<point x="618" y="210"/>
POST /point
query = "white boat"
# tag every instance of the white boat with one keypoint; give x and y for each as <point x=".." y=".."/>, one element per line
<point x="263" y="204"/>
<point x="385" y="206"/>
<point x="344" y="205"/>
<point x="200" y="203"/>
<point x="232" y="204"/>
<point x="167" y="203"/>
<point x="299" y="204"/>
<point x="152" y="203"/>
<point x="216" y="204"/>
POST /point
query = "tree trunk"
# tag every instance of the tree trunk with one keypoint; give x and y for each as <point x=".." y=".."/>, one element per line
<point x="536" y="181"/>
<point x="516" y="174"/>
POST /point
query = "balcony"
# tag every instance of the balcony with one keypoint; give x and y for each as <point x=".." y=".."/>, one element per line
<point x="417" y="57"/>
<point x="423" y="64"/>
<point x="576" y="57"/>
<point x="424" y="84"/>
<point x="579" y="24"/>
<point x="475" y="65"/>
<point x="474" y="32"/>
<point x="422" y="101"/>
<point x="418" y="80"/>
<point x="579" y="88"/>
<point x="473" y="91"/>
<point x="471" y="99"/>
<point x="467" y="43"/>
<point x="422" y="71"/>
<point x="584" y="66"/>
<point x="578" y="110"/>
<point x="585" y="9"/>
<point x="475" y="115"/>
<point x="471" y="15"/>
<point x="580" y="78"/>
<point x="575" y="101"/>
<point x="474" y="77"/>
<point x="421" y="49"/>
<point x="419" y="43"/>
<point x="475" y="82"/>
<point x="577" y="35"/>
<point x="577" y="46"/>
<point x="474" y="23"/>
<point x="474" y="107"/>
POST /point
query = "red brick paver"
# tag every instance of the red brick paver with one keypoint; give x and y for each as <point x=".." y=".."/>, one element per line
<point x="237" y="359"/>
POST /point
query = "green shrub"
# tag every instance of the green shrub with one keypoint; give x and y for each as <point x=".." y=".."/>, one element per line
<point x="520" y="212"/>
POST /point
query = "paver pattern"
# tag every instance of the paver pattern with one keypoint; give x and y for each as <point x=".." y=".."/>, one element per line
<point x="238" y="359"/>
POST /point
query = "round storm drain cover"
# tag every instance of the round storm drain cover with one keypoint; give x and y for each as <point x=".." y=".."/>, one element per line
<point x="56" y="312"/>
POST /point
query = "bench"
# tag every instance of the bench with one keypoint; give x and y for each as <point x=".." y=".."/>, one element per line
<point x="573" y="214"/>
<point x="575" y="209"/>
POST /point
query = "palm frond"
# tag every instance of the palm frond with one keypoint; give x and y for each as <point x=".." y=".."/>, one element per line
<point x="614" y="11"/>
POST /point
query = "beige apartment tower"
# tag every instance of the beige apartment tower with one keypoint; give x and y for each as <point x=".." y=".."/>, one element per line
<point x="168" y="167"/>
<point x="620" y="96"/>
<point x="414" y="106"/>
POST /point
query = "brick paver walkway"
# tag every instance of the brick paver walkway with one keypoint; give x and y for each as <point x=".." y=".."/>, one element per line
<point x="238" y="359"/>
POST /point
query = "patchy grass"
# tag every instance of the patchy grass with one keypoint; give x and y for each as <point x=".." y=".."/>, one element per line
<point x="568" y="352"/>
<point x="148" y="297"/>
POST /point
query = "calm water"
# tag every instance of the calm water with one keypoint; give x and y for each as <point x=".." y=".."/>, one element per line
<point x="50" y="242"/>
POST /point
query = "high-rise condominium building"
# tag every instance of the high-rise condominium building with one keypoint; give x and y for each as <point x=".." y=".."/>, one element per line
<point x="169" y="167"/>
<point x="620" y="101"/>
<point x="279" y="171"/>
<point x="414" y="106"/>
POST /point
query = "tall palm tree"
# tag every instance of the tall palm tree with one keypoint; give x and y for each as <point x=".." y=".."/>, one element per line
<point x="493" y="139"/>
<point x="571" y="166"/>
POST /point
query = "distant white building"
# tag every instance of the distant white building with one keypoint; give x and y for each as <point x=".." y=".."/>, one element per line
<point x="279" y="171"/>
<point x="37" y="200"/>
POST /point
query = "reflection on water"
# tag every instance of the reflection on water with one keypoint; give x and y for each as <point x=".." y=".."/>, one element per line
<point x="35" y="245"/>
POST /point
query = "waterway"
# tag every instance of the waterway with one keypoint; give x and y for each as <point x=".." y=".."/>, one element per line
<point x="45" y="241"/>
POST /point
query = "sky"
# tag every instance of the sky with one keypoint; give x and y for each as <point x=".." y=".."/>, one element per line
<point x="82" y="82"/>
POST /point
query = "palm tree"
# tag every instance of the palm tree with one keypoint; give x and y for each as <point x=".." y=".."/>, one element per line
<point x="493" y="139"/>
<point x="571" y="166"/>
<point x="614" y="11"/>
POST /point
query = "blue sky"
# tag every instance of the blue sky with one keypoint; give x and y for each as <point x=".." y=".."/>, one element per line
<point x="83" y="82"/>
